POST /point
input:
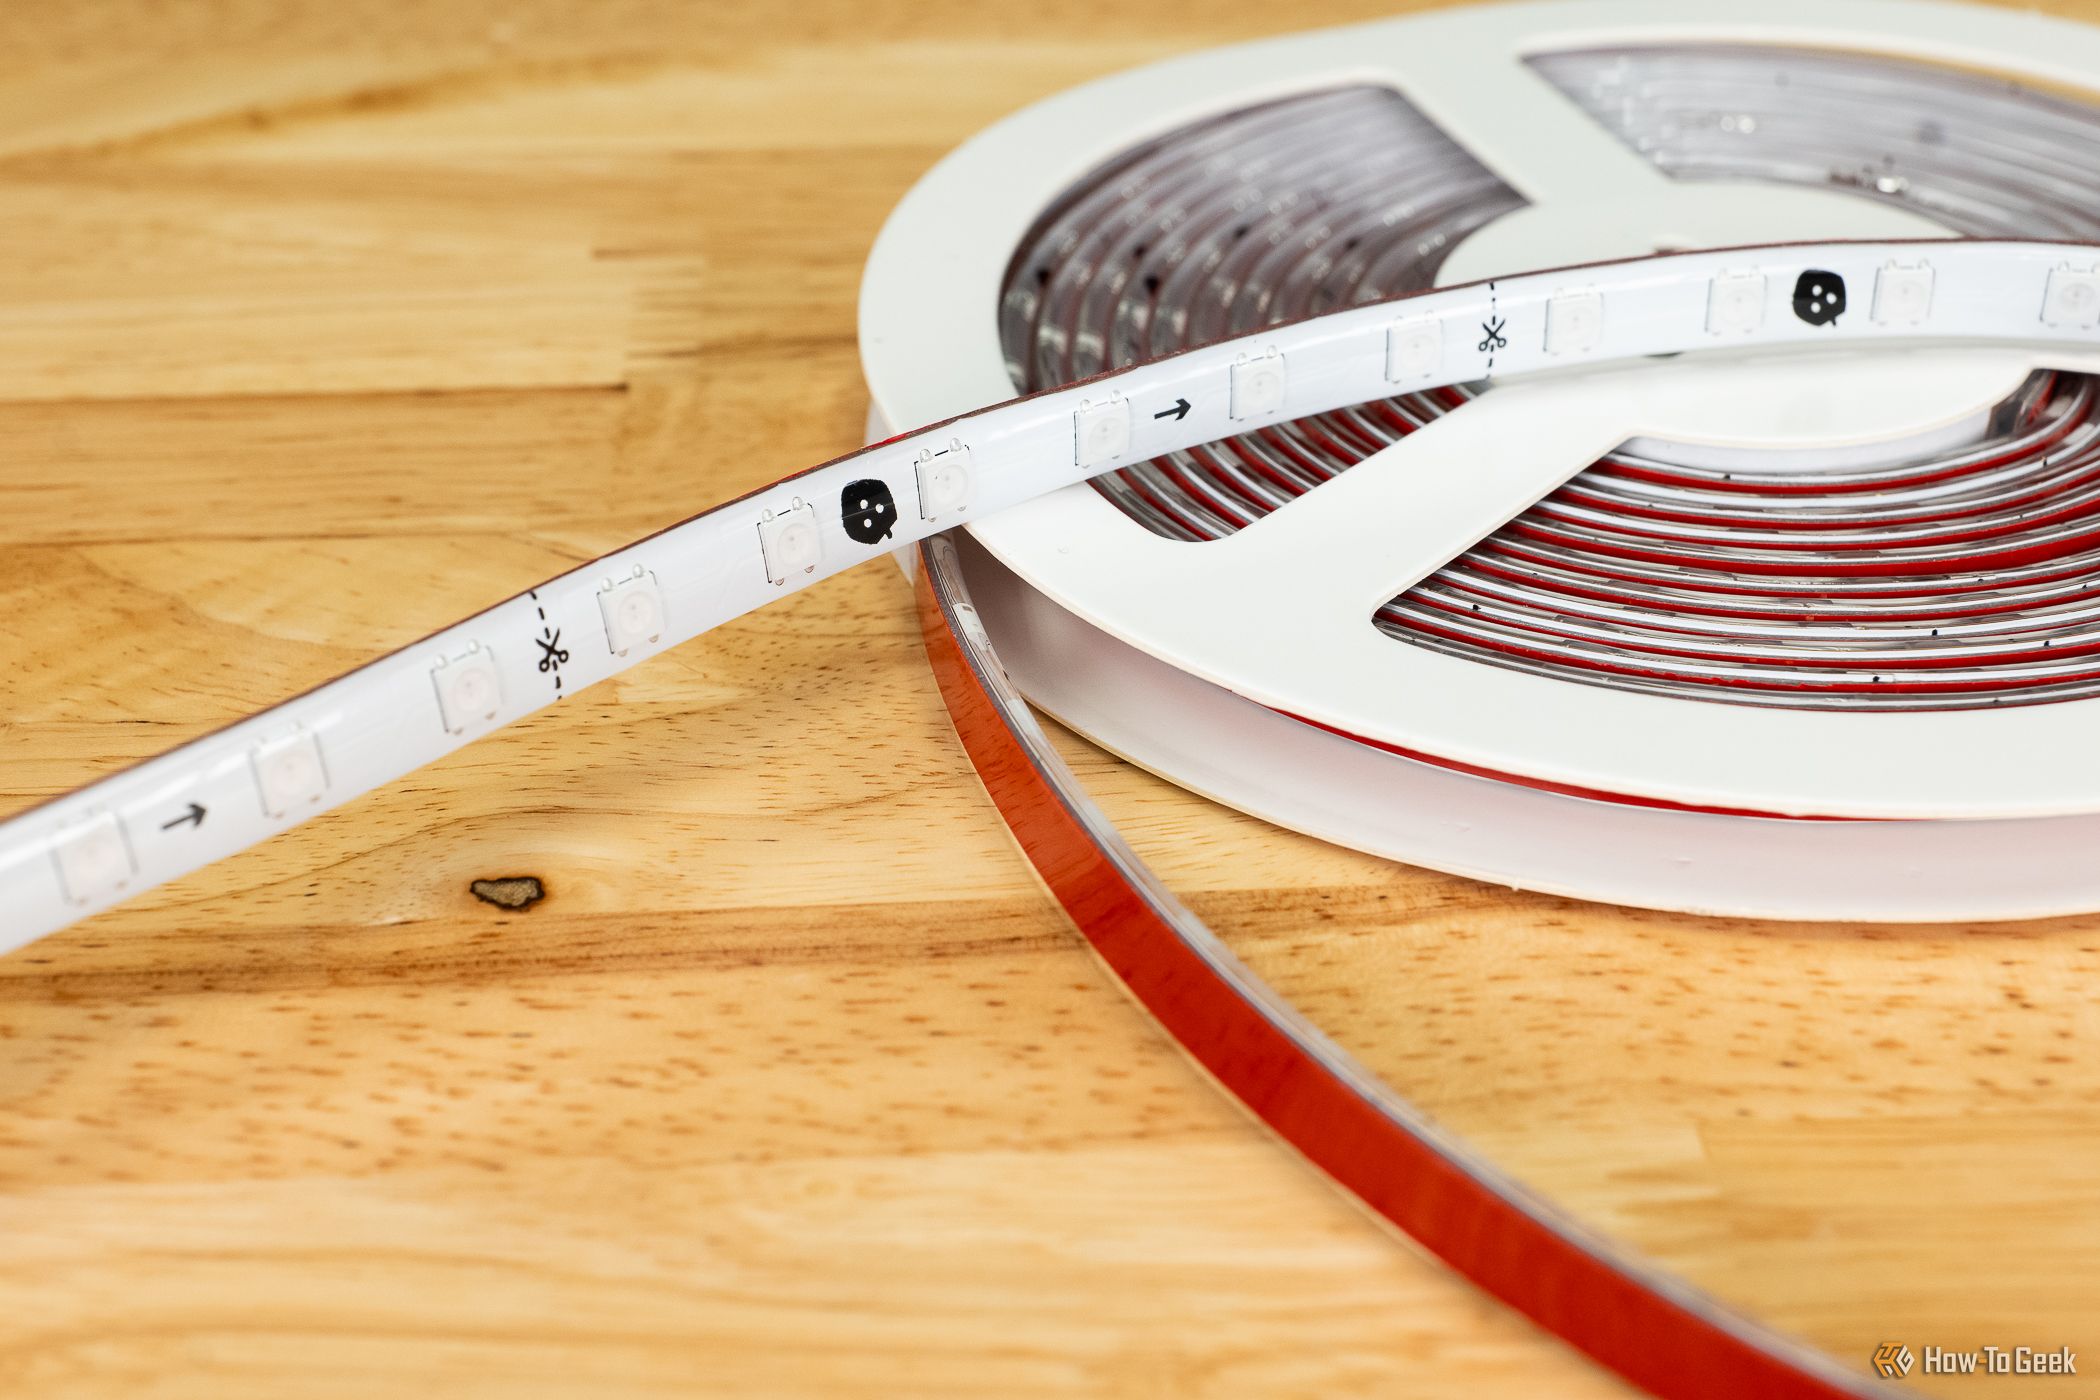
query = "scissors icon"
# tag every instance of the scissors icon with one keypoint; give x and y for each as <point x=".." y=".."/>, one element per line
<point x="551" y="653"/>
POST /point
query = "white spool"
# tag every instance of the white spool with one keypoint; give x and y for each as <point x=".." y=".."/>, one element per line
<point x="2024" y="782"/>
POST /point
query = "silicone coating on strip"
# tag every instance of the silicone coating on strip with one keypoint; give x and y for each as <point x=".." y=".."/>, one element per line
<point x="105" y="842"/>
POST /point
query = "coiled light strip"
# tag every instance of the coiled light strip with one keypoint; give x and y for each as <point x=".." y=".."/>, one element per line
<point x="1955" y="578"/>
<point x="104" y="842"/>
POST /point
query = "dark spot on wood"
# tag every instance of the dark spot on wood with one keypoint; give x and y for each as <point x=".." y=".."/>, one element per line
<point x="510" y="892"/>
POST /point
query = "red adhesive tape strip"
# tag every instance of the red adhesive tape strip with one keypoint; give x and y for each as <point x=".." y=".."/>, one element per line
<point x="1651" y="1329"/>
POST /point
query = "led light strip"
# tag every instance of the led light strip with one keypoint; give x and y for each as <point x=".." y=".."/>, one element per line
<point x="1861" y="589"/>
<point x="215" y="796"/>
<point x="1658" y="1332"/>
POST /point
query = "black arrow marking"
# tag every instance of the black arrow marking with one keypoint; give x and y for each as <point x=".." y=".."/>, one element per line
<point x="193" y="817"/>
<point x="1179" y="411"/>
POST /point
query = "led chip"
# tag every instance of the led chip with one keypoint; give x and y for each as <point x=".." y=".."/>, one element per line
<point x="1257" y="386"/>
<point x="469" y="690"/>
<point x="2073" y="298"/>
<point x="1101" y="431"/>
<point x="289" y="773"/>
<point x="790" y="541"/>
<point x="1574" y="322"/>
<point x="1735" y="303"/>
<point x="945" y="483"/>
<point x="1413" y="348"/>
<point x="1902" y="295"/>
<point x="633" y="609"/>
<point x="93" y="858"/>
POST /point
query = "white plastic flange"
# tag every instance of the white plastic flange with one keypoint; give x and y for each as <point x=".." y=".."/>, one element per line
<point x="930" y="347"/>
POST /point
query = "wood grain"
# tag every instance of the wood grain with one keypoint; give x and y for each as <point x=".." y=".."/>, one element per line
<point x="328" y="323"/>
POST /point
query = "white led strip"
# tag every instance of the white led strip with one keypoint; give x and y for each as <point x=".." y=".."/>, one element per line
<point x="208" y="799"/>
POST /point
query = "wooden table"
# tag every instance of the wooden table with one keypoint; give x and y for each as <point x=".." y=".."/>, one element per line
<point x="327" y="323"/>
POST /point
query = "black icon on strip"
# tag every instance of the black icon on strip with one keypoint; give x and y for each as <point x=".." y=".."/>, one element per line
<point x="193" y="817"/>
<point x="869" y="511"/>
<point x="1819" y="297"/>
<point x="552" y="652"/>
